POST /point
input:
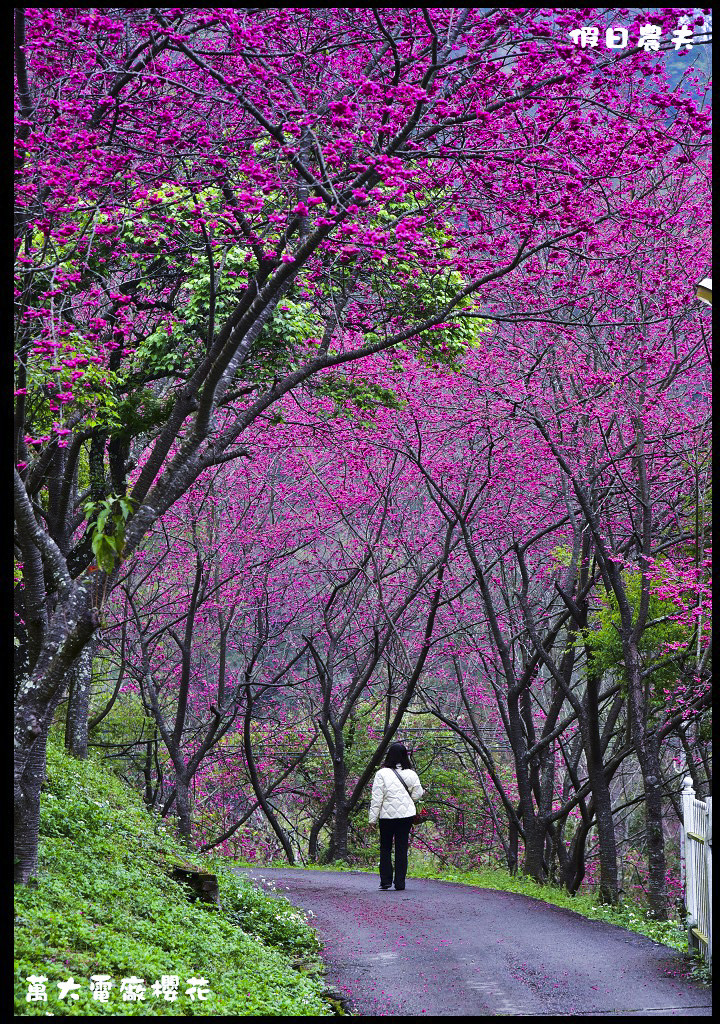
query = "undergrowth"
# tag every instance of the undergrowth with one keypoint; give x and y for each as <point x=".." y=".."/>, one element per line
<point x="103" y="905"/>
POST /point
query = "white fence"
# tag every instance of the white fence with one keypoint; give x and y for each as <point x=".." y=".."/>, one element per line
<point x="696" y="852"/>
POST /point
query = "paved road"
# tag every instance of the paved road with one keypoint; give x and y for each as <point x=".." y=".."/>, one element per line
<point x="451" y="950"/>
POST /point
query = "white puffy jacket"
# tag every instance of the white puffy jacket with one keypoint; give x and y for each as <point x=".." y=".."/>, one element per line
<point x="390" y="799"/>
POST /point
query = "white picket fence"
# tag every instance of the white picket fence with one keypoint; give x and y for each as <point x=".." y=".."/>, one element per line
<point x="696" y="852"/>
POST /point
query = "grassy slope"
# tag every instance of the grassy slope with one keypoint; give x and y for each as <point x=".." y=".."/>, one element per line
<point x="104" y="904"/>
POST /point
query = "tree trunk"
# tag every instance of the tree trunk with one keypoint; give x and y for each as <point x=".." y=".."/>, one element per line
<point x="574" y="868"/>
<point x="27" y="810"/>
<point x="549" y="857"/>
<point x="533" y="861"/>
<point x="590" y="724"/>
<point x="609" y="890"/>
<point x="512" y="851"/>
<point x="30" y="773"/>
<point x="533" y="828"/>
<point x="147" y="774"/>
<point x="649" y="761"/>
<point x="76" y="723"/>
<point x="339" y="840"/>
<point x="182" y="807"/>
<point x="317" y="826"/>
<point x="39" y="694"/>
<point x="257" y="785"/>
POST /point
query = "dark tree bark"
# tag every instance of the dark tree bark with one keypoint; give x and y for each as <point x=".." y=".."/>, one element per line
<point x="633" y="620"/>
<point x="79" y="691"/>
<point x="260" y="793"/>
<point x="332" y="723"/>
<point x="182" y="806"/>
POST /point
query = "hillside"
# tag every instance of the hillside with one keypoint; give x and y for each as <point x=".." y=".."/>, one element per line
<point x="104" y="905"/>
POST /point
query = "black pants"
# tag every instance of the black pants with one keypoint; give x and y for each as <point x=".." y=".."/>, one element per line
<point x="399" y="828"/>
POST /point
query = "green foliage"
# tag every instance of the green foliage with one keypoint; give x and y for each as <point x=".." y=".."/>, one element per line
<point x="94" y="396"/>
<point x="605" y="646"/>
<point x="161" y="353"/>
<point x="414" y="293"/>
<point x="701" y="970"/>
<point x="358" y="394"/>
<point x="270" y="917"/>
<point x="107" y="520"/>
<point x="105" y="904"/>
<point x="141" y="412"/>
<point x="208" y="299"/>
<point x="98" y="399"/>
<point x="449" y="345"/>
<point x="561" y="556"/>
<point x="287" y="340"/>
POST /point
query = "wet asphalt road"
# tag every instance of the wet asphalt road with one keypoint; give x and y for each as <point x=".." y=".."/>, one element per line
<point x="451" y="950"/>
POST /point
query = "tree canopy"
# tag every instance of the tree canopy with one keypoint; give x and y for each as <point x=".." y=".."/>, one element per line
<point x="359" y="373"/>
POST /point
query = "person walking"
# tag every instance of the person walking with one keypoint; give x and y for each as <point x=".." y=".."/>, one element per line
<point x="392" y="805"/>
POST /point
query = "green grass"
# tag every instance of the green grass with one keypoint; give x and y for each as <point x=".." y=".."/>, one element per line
<point x="103" y="904"/>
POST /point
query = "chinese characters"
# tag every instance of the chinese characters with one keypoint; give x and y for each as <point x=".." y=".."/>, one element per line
<point x="649" y="37"/>
<point x="131" y="989"/>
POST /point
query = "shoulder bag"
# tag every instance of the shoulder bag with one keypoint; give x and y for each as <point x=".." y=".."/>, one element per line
<point x="418" y="817"/>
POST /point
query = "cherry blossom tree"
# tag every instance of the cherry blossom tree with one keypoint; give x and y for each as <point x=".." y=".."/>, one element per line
<point x="217" y="208"/>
